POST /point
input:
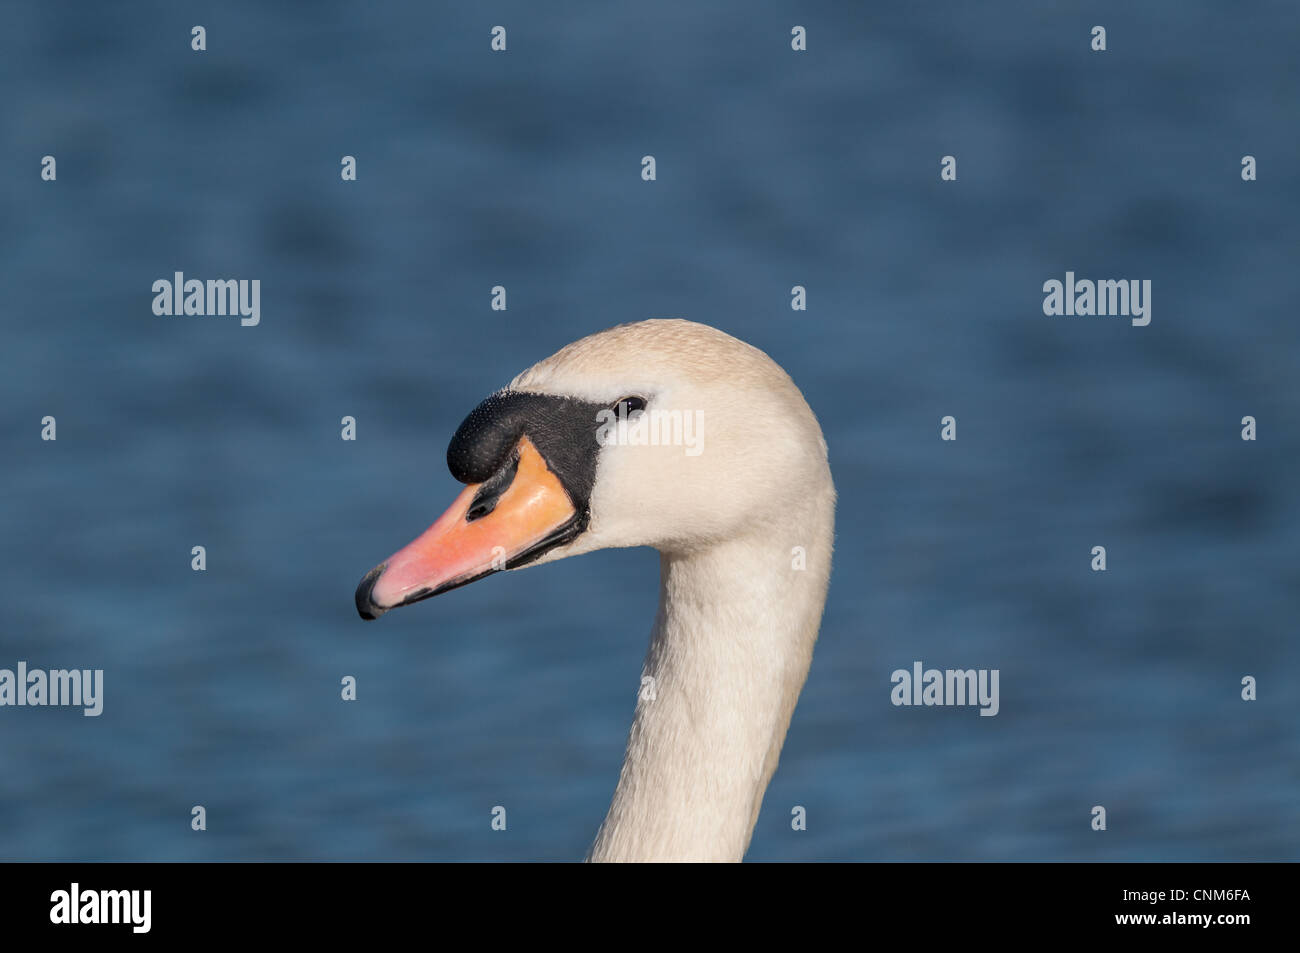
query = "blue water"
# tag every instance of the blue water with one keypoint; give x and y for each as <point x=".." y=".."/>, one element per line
<point x="1119" y="689"/>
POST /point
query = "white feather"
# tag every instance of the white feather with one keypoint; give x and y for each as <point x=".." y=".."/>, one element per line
<point x="734" y="634"/>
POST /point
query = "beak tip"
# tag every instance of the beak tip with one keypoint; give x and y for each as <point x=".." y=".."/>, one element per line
<point x="366" y="607"/>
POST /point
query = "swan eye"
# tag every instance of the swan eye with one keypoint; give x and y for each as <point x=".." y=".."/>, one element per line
<point x="627" y="406"/>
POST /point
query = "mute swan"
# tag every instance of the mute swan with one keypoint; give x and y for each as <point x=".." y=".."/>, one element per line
<point x="743" y="522"/>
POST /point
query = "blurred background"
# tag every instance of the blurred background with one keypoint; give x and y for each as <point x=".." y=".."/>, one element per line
<point x="522" y="169"/>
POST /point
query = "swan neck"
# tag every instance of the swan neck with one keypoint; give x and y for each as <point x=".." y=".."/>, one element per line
<point x="729" y="653"/>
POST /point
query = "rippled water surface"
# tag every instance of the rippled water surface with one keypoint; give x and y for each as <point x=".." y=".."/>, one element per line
<point x="774" y="169"/>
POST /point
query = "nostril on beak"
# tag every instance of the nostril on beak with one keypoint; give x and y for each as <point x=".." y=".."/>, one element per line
<point x="490" y="493"/>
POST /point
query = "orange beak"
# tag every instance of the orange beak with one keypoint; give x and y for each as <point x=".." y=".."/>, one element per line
<point x="485" y="530"/>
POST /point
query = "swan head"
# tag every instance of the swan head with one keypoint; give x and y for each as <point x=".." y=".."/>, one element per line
<point x="662" y="433"/>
